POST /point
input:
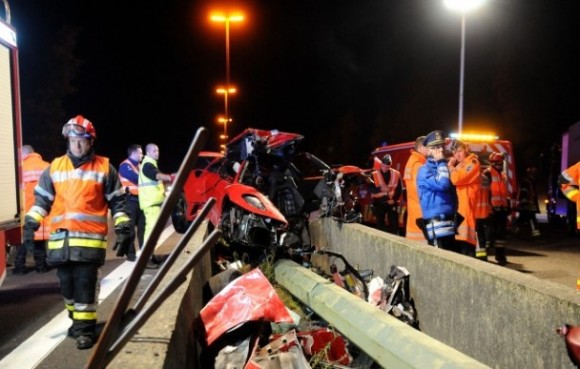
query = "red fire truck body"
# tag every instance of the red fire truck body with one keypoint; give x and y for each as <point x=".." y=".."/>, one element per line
<point x="481" y="145"/>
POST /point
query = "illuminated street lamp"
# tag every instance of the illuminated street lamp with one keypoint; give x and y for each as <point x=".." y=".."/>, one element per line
<point x="462" y="6"/>
<point x="226" y="18"/>
<point x="226" y="92"/>
<point x="224" y="136"/>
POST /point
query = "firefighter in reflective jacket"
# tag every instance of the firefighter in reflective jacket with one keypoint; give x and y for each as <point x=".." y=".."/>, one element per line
<point x="386" y="194"/>
<point x="78" y="189"/>
<point x="32" y="166"/>
<point x="500" y="206"/>
<point x="569" y="182"/>
<point x="483" y="218"/>
<point x="465" y="174"/>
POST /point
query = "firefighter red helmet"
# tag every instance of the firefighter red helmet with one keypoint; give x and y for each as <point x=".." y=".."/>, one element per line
<point x="79" y="126"/>
<point x="496" y="157"/>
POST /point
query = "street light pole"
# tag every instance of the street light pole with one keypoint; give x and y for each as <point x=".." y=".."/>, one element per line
<point x="461" y="74"/>
<point x="226" y="91"/>
<point x="227" y="18"/>
<point x="463" y="6"/>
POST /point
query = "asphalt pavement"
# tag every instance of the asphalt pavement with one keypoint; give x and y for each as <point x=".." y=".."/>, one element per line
<point x="553" y="256"/>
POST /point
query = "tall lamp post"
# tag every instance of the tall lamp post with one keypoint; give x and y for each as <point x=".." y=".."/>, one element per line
<point x="462" y="6"/>
<point x="226" y="92"/>
<point x="226" y="19"/>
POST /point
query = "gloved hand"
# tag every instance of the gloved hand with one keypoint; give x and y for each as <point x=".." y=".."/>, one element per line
<point x="123" y="239"/>
<point x="30" y="226"/>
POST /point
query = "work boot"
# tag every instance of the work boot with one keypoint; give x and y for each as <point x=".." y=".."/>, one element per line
<point x="500" y="255"/>
<point x="131" y="257"/>
<point x="19" y="271"/>
<point x="151" y="265"/>
<point x="43" y="269"/>
<point x="84" y="342"/>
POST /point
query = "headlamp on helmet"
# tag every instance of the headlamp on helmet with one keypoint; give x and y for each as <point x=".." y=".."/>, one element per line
<point x="79" y="126"/>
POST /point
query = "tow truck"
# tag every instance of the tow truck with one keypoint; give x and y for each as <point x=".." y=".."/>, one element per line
<point x="480" y="144"/>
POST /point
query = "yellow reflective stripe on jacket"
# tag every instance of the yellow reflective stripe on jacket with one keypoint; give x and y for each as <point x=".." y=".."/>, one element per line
<point x="151" y="192"/>
<point x="77" y="242"/>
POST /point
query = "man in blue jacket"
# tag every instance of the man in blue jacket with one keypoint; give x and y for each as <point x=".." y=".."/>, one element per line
<point x="437" y="195"/>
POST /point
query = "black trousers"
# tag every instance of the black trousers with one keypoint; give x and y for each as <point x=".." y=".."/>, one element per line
<point x="137" y="221"/>
<point x="498" y="225"/>
<point x="79" y="284"/>
<point x="482" y="227"/>
<point x="38" y="250"/>
<point x="386" y="213"/>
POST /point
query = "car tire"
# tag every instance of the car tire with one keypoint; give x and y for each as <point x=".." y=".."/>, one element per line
<point x="180" y="223"/>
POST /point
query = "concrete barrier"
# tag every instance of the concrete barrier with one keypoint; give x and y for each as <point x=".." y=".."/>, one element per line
<point x="500" y="317"/>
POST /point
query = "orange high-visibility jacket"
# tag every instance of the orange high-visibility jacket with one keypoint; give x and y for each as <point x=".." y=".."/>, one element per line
<point x="571" y="175"/>
<point x="125" y="183"/>
<point x="32" y="166"/>
<point x="498" y="187"/>
<point x="80" y="205"/>
<point x="466" y="176"/>
<point x="387" y="188"/>
<point x="416" y="161"/>
<point x="483" y="204"/>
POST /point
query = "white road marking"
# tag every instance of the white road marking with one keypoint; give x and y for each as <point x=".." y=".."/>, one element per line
<point x="37" y="347"/>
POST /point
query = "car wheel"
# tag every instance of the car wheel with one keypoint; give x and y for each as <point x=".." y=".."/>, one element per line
<point x="180" y="223"/>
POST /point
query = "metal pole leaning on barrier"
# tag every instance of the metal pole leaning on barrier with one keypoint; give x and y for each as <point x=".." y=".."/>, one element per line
<point x="174" y="254"/>
<point x="146" y="313"/>
<point x="113" y="325"/>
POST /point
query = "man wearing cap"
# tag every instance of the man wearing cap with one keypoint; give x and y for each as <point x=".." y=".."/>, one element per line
<point x="437" y="195"/>
<point x="465" y="174"/>
<point x="386" y="194"/>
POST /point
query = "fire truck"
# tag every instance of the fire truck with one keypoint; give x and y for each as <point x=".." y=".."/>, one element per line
<point x="10" y="143"/>
<point x="565" y="154"/>
<point x="480" y="144"/>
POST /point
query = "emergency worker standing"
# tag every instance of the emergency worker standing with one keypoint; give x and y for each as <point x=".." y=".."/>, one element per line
<point x="569" y="181"/>
<point x="32" y="167"/>
<point x="129" y="176"/>
<point x="528" y="206"/>
<point x="437" y="195"/>
<point x="78" y="189"/>
<point x="483" y="217"/>
<point x="416" y="160"/>
<point x="500" y="206"/>
<point x="465" y="174"/>
<point x="151" y="189"/>
<point x="386" y="194"/>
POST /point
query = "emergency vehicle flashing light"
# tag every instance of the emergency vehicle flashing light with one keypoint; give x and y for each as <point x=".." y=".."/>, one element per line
<point x="474" y="137"/>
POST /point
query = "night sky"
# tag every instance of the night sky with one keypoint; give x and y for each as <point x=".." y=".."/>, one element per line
<point x="348" y="75"/>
